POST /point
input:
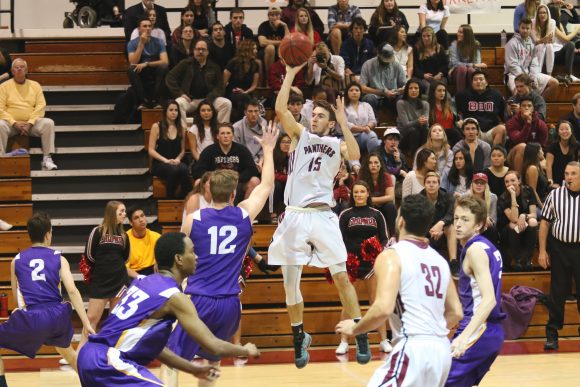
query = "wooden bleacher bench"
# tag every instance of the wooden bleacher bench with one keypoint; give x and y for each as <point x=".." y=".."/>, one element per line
<point x="16" y="190"/>
<point x="12" y="242"/>
<point x="170" y="228"/>
<point x="169" y="211"/>
<point x="159" y="188"/>
<point x="87" y="62"/>
<point x="15" y="166"/>
<point x="5" y="269"/>
<point x="75" y="46"/>
<point x="17" y="214"/>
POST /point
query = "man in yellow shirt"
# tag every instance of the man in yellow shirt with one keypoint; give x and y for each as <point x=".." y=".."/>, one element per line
<point x="142" y="257"/>
<point x="22" y="107"/>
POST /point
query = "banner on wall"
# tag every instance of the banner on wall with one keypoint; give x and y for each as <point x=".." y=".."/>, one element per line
<point x="473" y="6"/>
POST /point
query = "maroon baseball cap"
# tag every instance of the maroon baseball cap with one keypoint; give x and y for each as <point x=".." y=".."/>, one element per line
<point x="479" y="176"/>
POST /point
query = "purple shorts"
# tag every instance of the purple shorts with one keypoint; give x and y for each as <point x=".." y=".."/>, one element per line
<point x="469" y="369"/>
<point x="100" y="365"/>
<point x="47" y="324"/>
<point x="222" y="317"/>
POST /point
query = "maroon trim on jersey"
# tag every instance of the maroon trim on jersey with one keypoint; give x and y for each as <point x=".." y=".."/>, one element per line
<point x="398" y="368"/>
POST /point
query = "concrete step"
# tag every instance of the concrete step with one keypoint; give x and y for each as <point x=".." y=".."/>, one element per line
<point x="91" y="196"/>
<point x="69" y="249"/>
<point x="63" y="222"/>
<point x="95" y="128"/>
<point x="83" y="88"/>
<point x="90" y="172"/>
<point x="88" y="149"/>
<point x="79" y="108"/>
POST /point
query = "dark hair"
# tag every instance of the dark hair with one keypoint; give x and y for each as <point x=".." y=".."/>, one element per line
<point x="422" y="157"/>
<point x="347" y="100"/>
<point x="500" y="148"/>
<point x="236" y="10"/>
<point x="476" y="206"/>
<point x="319" y="89"/>
<point x="445" y="104"/>
<point x="479" y="72"/>
<point x="167" y="246"/>
<point x="525" y="20"/>
<point x="281" y="159"/>
<point x="225" y="125"/>
<point x="368" y="188"/>
<point x="144" y="17"/>
<point x="575" y="98"/>
<point x="358" y="21"/>
<point x="217" y="23"/>
<point x="531" y="158"/>
<point x="527" y="97"/>
<point x="417" y="211"/>
<point x="439" y="6"/>
<point x="184" y="11"/>
<point x="572" y="141"/>
<point x="251" y="102"/>
<point x="198" y="121"/>
<point x="524" y="78"/>
<point x="38" y="226"/>
<point x="365" y="173"/>
<point x="328" y="107"/>
<point x="295" y="98"/>
<point x="131" y="210"/>
<point x="453" y="176"/>
<point x="417" y="102"/>
<point x="164" y="125"/>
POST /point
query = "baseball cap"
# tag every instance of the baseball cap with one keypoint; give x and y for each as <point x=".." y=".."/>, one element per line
<point x="392" y="130"/>
<point x="386" y="53"/>
<point x="274" y="8"/>
<point x="479" y="176"/>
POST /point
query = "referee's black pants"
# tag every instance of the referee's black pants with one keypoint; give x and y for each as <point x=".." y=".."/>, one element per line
<point x="565" y="263"/>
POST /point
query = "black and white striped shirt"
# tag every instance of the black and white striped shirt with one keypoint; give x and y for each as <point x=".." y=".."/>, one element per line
<point x="563" y="211"/>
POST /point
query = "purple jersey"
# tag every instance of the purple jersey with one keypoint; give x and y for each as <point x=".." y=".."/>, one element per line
<point x="469" y="292"/>
<point x="220" y="241"/>
<point x="38" y="274"/>
<point x="129" y="327"/>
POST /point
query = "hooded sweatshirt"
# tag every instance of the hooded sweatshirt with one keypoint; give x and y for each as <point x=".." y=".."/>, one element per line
<point x="519" y="57"/>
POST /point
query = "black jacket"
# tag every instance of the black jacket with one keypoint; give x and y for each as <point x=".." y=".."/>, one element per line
<point x="180" y="78"/>
<point x="238" y="159"/>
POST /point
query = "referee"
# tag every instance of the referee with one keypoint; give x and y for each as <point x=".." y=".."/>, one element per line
<point x="560" y="247"/>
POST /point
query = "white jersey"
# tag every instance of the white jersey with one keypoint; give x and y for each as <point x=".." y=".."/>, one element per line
<point x="420" y="307"/>
<point x="312" y="167"/>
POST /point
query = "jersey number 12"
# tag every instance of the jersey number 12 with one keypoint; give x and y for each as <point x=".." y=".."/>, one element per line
<point x="224" y="247"/>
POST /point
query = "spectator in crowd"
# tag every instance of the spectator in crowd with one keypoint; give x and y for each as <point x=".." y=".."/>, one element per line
<point x="107" y="250"/>
<point x="148" y="63"/>
<point x="527" y="9"/>
<point x="289" y="15"/>
<point x="325" y="69"/>
<point x="386" y="21"/>
<point x="458" y="180"/>
<point x="204" y="129"/>
<point x="187" y="18"/>
<point x="340" y="17"/>
<point x="281" y="160"/>
<point x="241" y="77"/>
<point x="357" y="224"/>
<point x="295" y="105"/>
<point x="403" y="51"/>
<point x="270" y="34"/>
<point x="533" y="174"/>
<point x="199" y="197"/>
<point x="497" y="170"/>
<point x="412" y="117"/>
<point x="195" y="79"/>
<point x="437" y="142"/>
<point x="361" y="119"/>
<point x="441" y="232"/>
<point x="486" y="105"/>
<point x="391" y="156"/>
<point x="156" y="32"/>
<point x="5" y="226"/>
<point x="236" y="31"/>
<point x="415" y="179"/>
<point x="478" y="150"/>
<point x="430" y="62"/>
<point x="563" y="12"/>
<point x="22" y="108"/>
<point x="434" y="14"/>
<point x="277" y="73"/>
<point x="5" y="65"/>
<point x="227" y="154"/>
<point x="135" y="13"/>
<point x="220" y="50"/>
<point x="464" y="57"/>
<point x="560" y="248"/>
<point x="142" y="240"/>
<point x="303" y="25"/>
<point x="563" y="150"/>
<point x="204" y="16"/>
<point x="563" y="36"/>
<point x="517" y="223"/>
<point x="184" y="47"/>
<point x="523" y="84"/>
<point x="319" y="94"/>
<point x="520" y="58"/>
<point x="249" y="128"/>
<point x="382" y="189"/>
<point x="382" y="79"/>
<point x="574" y="116"/>
<point x="526" y="125"/>
<point x="342" y="187"/>
<point x="167" y="149"/>
<point x="356" y="50"/>
<point x="442" y="112"/>
<point x="480" y="189"/>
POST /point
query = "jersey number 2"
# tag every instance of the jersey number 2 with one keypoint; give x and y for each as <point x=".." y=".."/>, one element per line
<point x="432" y="273"/>
<point x="229" y="232"/>
<point x="38" y="265"/>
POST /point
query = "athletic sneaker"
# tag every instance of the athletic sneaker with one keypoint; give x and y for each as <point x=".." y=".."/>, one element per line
<point x="342" y="348"/>
<point x="63" y="362"/>
<point x="48" y="164"/>
<point x="301" y="344"/>
<point x="4" y="226"/>
<point x="363" y="351"/>
<point x="385" y="346"/>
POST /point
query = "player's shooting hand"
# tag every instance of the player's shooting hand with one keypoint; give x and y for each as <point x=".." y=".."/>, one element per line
<point x="340" y="112"/>
<point x="205" y="372"/>
<point x="253" y="351"/>
<point x="458" y="346"/>
<point x="345" y="327"/>
<point x="269" y="137"/>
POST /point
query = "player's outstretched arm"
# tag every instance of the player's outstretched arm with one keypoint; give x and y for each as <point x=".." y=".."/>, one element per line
<point x="74" y="295"/>
<point x="388" y="272"/>
<point x="291" y="127"/>
<point x="349" y="148"/>
<point x="453" y="310"/>
<point x="255" y="202"/>
<point x="476" y="262"/>
<point x="181" y="307"/>
<point x="206" y="372"/>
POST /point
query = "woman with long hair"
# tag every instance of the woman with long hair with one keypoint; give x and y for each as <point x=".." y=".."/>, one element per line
<point x="198" y="198"/>
<point x="434" y="14"/>
<point x="204" y="16"/>
<point x="303" y="24"/>
<point x="361" y="118"/>
<point x="412" y="117"/>
<point x="204" y="129"/>
<point x="107" y="250"/>
<point x="413" y="183"/>
<point x="241" y="77"/>
<point x="532" y="172"/>
<point x="183" y="48"/>
<point x="281" y="159"/>
<point x="403" y="51"/>
<point x="385" y="22"/>
<point x="563" y="150"/>
<point x="458" y="180"/>
<point x="480" y="189"/>
<point x="497" y="170"/>
<point x="156" y="32"/>
<point x="187" y="18"/>
<point x="437" y="142"/>
<point x="517" y="223"/>
<point x="358" y="224"/>
<point x="443" y="112"/>
<point x="464" y="57"/>
<point x="167" y="148"/>
<point x="526" y="9"/>
<point x="430" y="62"/>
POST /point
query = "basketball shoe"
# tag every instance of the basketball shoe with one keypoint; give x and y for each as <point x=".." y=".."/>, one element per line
<point x="363" y="351"/>
<point x="301" y="343"/>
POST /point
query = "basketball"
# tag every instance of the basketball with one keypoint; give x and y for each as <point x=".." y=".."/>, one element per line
<point x="295" y="49"/>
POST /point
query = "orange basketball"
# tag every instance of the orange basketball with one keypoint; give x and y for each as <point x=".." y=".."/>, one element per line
<point x="295" y="49"/>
